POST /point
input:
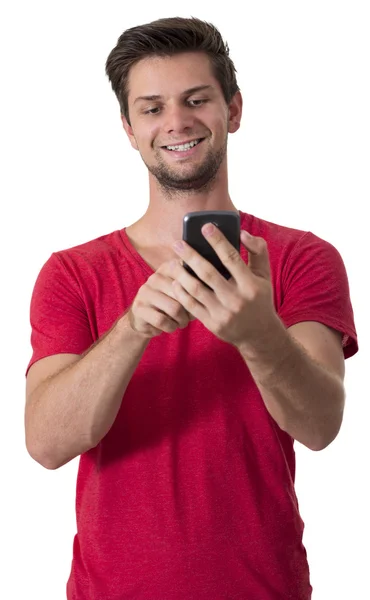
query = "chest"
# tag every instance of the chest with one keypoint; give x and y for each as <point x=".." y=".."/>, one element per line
<point x="155" y="258"/>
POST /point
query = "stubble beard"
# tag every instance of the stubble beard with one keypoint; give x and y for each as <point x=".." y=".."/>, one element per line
<point x="201" y="179"/>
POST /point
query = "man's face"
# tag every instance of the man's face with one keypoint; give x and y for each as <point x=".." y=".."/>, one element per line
<point x="179" y="119"/>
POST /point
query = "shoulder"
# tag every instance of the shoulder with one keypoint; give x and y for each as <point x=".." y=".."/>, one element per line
<point x="75" y="266"/>
<point x="93" y="256"/>
<point x="92" y="249"/>
<point x="275" y="234"/>
<point x="288" y="243"/>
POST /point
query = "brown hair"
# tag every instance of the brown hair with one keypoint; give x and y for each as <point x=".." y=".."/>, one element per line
<point x="166" y="37"/>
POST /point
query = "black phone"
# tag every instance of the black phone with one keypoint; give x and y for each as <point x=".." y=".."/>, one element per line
<point x="227" y="221"/>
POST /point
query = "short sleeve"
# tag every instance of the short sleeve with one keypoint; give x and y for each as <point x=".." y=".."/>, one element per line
<point x="58" y="317"/>
<point x="316" y="288"/>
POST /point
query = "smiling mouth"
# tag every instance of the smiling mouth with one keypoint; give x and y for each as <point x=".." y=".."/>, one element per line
<point x="183" y="147"/>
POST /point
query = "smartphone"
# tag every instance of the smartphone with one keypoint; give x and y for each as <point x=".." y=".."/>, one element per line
<point x="227" y="221"/>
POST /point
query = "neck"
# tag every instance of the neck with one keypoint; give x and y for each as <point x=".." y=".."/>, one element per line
<point x="161" y="224"/>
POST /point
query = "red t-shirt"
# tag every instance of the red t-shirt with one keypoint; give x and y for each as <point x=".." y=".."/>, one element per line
<point x="190" y="495"/>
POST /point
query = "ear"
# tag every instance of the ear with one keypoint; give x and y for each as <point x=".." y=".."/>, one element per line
<point x="235" y="112"/>
<point x="129" y="131"/>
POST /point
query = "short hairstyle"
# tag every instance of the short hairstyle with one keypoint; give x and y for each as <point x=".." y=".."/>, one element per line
<point x="167" y="37"/>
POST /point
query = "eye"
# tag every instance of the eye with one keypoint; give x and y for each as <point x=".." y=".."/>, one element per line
<point x="195" y="103"/>
<point x="152" y="111"/>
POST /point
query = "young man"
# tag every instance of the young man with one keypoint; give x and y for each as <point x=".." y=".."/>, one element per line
<point x="184" y="401"/>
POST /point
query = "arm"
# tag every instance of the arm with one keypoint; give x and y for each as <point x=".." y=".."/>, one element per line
<point x="74" y="407"/>
<point x="299" y="373"/>
<point x="73" y="410"/>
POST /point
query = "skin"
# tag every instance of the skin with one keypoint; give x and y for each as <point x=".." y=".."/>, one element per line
<point x="299" y="371"/>
<point x="189" y="184"/>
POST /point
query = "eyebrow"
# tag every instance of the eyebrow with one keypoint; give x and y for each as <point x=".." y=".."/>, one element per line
<point x="193" y="90"/>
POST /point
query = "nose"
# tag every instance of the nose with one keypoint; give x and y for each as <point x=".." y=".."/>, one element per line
<point x="178" y="118"/>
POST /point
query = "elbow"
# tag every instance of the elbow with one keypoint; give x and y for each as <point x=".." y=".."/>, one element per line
<point x="36" y="449"/>
<point x="322" y="444"/>
<point x="330" y="424"/>
<point x="50" y="466"/>
<point x="325" y="439"/>
<point x="44" y="461"/>
<point x="48" y="463"/>
<point x="42" y="457"/>
<point x="53" y="456"/>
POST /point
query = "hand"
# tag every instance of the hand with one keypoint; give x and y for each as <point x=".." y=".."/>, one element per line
<point x="155" y="308"/>
<point x="239" y="310"/>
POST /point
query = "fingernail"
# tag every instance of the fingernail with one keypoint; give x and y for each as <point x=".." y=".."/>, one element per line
<point x="178" y="246"/>
<point x="208" y="229"/>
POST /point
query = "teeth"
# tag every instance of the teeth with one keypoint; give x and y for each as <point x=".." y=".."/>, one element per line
<point x="184" y="147"/>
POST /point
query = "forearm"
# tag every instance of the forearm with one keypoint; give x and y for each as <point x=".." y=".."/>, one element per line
<point x="305" y="399"/>
<point x="74" y="410"/>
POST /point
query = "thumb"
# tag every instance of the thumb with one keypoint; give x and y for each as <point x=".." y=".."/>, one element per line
<point x="258" y="257"/>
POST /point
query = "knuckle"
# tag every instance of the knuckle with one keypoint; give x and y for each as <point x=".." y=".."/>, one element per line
<point x="150" y="282"/>
<point x="138" y="302"/>
<point x="196" y="288"/>
<point x="178" y="312"/>
<point x="175" y="311"/>
<point x="252" y="293"/>
<point x="191" y="305"/>
<point x="183" y="321"/>
<point x="261" y="243"/>
<point x="159" y="320"/>
<point x="223" y="323"/>
<point x="209" y="275"/>
<point x="236" y="305"/>
<point x="232" y="255"/>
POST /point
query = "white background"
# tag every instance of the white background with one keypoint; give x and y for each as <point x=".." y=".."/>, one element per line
<point x="301" y="159"/>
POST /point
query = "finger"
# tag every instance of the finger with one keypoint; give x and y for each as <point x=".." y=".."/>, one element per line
<point x="158" y="320"/>
<point x="167" y="273"/>
<point x="167" y="267"/>
<point x="189" y="302"/>
<point x="206" y="272"/>
<point x="161" y="280"/>
<point x="165" y="304"/>
<point x="227" y="253"/>
<point x="258" y="256"/>
<point x="195" y="288"/>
